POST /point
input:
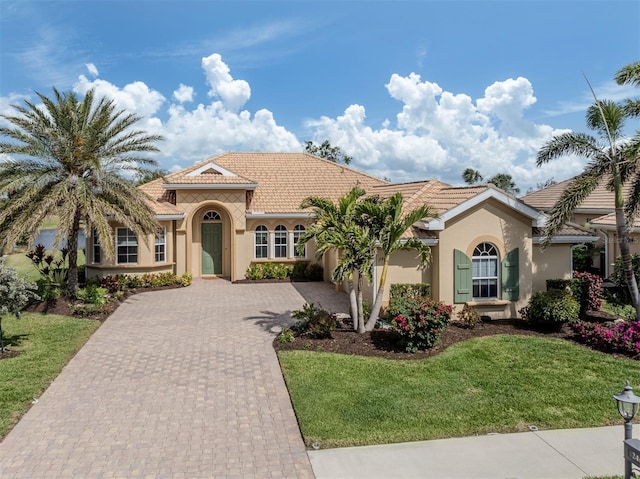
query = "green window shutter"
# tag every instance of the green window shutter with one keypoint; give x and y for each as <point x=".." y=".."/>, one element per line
<point x="462" y="281"/>
<point x="511" y="276"/>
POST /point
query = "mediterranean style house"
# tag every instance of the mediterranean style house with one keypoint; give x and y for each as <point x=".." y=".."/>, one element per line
<point x="596" y="213"/>
<point x="222" y="215"/>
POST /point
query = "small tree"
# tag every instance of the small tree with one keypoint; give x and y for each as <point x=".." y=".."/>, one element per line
<point x="326" y="151"/>
<point x="15" y="294"/>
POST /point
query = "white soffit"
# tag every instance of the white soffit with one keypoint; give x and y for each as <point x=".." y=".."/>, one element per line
<point x="211" y="166"/>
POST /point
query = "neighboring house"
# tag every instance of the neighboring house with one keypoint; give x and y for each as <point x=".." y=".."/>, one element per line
<point x="219" y="216"/>
<point x="597" y="213"/>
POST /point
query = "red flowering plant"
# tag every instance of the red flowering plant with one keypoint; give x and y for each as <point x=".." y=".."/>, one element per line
<point x="622" y="338"/>
<point x="418" y="322"/>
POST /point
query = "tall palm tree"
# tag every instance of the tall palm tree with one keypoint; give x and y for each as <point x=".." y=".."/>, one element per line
<point x="335" y="227"/>
<point x="389" y="223"/>
<point x="471" y="176"/>
<point x="610" y="157"/>
<point x="630" y="75"/>
<point x="67" y="157"/>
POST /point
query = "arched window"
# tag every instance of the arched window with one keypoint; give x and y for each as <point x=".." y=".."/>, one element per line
<point x="261" y="242"/>
<point x="280" y="242"/>
<point x="298" y="230"/>
<point x="211" y="216"/>
<point x="485" y="271"/>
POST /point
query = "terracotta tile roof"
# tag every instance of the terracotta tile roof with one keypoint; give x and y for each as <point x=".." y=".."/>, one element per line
<point x="610" y="220"/>
<point x="440" y="196"/>
<point x="568" y="229"/>
<point x="601" y="199"/>
<point x="160" y="198"/>
<point x="209" y="176"/>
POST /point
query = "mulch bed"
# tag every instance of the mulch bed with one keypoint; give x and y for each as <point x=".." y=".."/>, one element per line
<point x="380" y="342"/>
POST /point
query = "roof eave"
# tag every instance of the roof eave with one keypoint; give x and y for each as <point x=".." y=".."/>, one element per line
<point x="568" y="239"/>
<point x="210" y="186"/>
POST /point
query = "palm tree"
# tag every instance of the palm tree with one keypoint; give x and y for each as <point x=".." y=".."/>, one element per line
<point x="389" y="223"/>
<point x="630" y="75"/>
<point x="67" y="156"/>
<point x="611" y="157"/>
<point x="335" y="227"/>
<point x="471" y="176"/>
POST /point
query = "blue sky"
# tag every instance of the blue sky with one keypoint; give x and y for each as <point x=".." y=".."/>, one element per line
<point x="411" y="90"/>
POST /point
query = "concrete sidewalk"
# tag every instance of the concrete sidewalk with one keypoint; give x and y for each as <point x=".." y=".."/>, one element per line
<point x="561" y="454"/>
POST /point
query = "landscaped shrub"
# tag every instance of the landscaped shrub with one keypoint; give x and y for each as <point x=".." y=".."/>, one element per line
<point x="314" y="322"/>
<point x="468" y="316"/>
<point x="314" y="272"/>
<point x="408" y="290"/>
<point x="418" y="322"/>
<point x="621" y="338"/>
<point x="111" y="283"/>
<point x="92" y="294"/>
<point x="54" y="272"/>
<point x="286" y="336"/>
<point x="148" y="280"/>
<point x="551" y="309"/>
<point x="15" y="294"/>
<point x="586" y="288"/>
<point x="299" y="270"/>
<point x="185" y="279"/>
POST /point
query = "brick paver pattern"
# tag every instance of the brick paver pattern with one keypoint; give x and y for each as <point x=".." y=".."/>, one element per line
<point x="180" y="383"/>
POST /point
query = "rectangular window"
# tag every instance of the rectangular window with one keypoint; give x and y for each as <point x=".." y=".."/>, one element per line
<point x="485" y="277"/>
<point x="261" y="242"/>
<point x="127" y="246"/>
<point x="297" y="232"/>
<point x="280" y="242"/>
<point x="161" y="245"/>
<point x="95" y="247"/>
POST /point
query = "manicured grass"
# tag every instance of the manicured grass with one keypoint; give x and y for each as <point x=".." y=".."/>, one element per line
<point x="492" y="384"/>
<point x="48" y="342"/>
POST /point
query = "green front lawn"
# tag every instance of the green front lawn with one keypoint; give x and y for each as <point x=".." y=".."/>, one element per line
<point x="48" y="343"/>
<point x="491" y="384"/>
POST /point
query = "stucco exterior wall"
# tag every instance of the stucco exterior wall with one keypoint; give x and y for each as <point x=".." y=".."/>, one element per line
<point x="613" y="247"/>
<point x="146" y="255"/>
<point x="490" y="222"/>
<point x="403" y="269"/>
<point x="552" y="263"/>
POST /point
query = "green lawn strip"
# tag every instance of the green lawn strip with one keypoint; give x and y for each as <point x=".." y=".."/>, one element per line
<point x="493" y="384"/>
<point x="48" y="342"/>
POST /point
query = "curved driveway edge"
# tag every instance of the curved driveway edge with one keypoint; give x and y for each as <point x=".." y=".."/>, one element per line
<point x="178" y="383"/>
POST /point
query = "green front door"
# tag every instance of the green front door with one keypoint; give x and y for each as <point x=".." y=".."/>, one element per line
<point x="211" y="248"/>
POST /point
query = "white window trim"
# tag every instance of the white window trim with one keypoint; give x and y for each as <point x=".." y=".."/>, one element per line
<point x="496" y="277"/>
<point x="294" y="243"/>
<point x="164" y="244"/>
<point x="255" y="244"/>
<point x="95" y="243"/>
<point x="137" y="246"/>
<point x="286" y="245"/>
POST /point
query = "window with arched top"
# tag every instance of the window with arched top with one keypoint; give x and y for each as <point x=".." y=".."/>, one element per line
<point x="211" y="216"/>
<point x="298" y="230"/>
<point x="280" y="242"/>
<point x="261" y="241"/>
<point x="485" y="271"/>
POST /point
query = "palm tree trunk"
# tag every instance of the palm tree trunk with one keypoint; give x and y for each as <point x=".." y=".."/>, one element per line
<point x="72" y="245"/>
<point x="629" y="274"/>
<point x="377" y="305"/>
<point x="354" y="304"/>
<point x="361" y="328"/>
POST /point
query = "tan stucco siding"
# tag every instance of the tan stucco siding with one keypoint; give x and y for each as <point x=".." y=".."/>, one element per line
<point x="488" y="222"/>
<point x="613" y="248"/>
<point x="403" y="269"/>
<point x="553" y="262"/>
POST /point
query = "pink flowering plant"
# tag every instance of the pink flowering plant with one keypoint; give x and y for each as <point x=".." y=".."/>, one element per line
<point x="418" y="322"/>
<point x="621" y="338"/>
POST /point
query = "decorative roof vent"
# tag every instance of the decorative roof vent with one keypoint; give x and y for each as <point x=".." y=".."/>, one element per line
<point x="211" y="169"/>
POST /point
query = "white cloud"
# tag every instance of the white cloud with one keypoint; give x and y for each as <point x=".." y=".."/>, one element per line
<point x="184" y="93"/>
<point x="92" y="69"/>
<point x="233" y="93"/>
<point x="440" y="133"/>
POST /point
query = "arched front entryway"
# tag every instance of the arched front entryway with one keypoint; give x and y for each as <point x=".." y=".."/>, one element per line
<point x="211" y="254"/>
<point x="211" y="246"/>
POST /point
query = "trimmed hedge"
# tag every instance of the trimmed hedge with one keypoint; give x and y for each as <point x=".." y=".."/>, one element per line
<point x="298" y="271"/>
<point x="409" y="290"/>
<point x="586" y="288"/>
<point x="551" y="309"/>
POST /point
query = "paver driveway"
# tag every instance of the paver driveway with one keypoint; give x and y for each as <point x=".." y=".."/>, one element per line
<point x="179" y="383"/>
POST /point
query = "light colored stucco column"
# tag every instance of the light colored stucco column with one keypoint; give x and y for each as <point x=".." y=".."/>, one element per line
<point x="181" y="252"/>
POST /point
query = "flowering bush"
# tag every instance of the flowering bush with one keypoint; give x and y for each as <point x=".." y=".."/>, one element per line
<point x="621" y="338"/>
<point x="591" y="293"/>
<point x="418" y="322"/>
